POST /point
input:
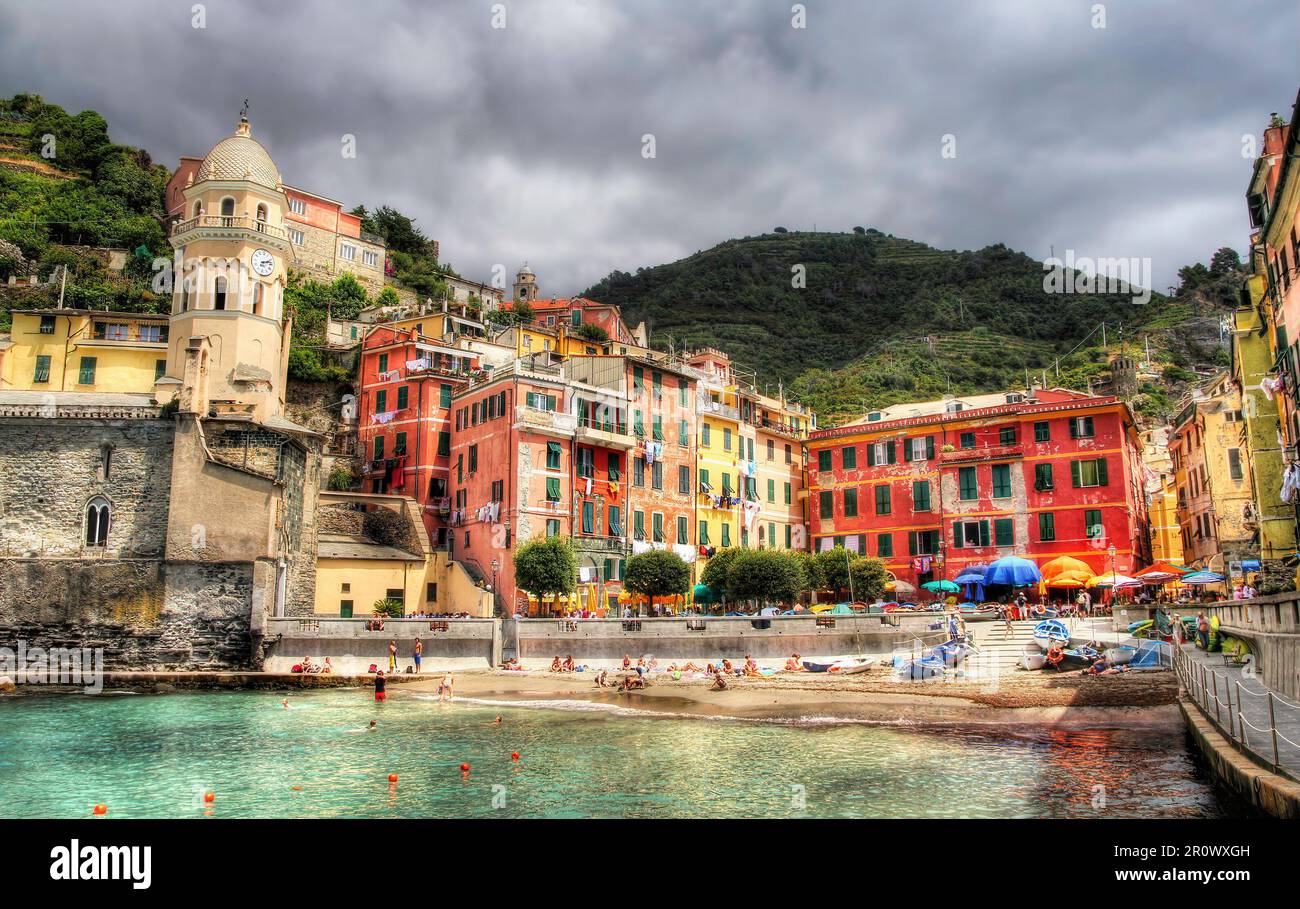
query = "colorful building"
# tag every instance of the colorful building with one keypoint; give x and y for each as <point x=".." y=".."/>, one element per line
<point x="721" y="450"/>
<point x="84" y="350"/>
<point x="935" y="486"/>
<point x="1216" y="507"/>
<point x="1162" y="497"/>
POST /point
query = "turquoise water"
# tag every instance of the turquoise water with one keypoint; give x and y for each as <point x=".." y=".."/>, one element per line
<point x="148" y="755"/>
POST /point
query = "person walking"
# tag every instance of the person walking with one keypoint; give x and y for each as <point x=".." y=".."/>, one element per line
<point x="1004" y="613"/>
<point x="392" y="656"/>
<point x="419" y="653"/>
<point x="444" y="690"/>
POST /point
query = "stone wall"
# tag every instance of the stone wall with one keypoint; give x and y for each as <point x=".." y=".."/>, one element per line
<point x="300" y="475"/>
<point x="317" y="257"/>
<point x="145" y="614"/>
<point x="52" y="468"/>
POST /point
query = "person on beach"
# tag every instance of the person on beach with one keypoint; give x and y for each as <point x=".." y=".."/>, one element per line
<point x="1004" y="614"/>
<point x="953" y="628"/>
<point x="627" y="661"/>
<point x="601" y="678"/>
<point x="419" y="652"/>
<point x="556" y="665"/>
<point x="381" y="686"/>
<point x="392" y="656"/>
<point x="719" y="683"/>
<point x="444" y="690"/>
<point x="568" y="664"/>
<point x="285" y="703"/>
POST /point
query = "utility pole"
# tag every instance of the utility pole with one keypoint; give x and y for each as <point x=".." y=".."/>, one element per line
<point x="1103" y="334"/>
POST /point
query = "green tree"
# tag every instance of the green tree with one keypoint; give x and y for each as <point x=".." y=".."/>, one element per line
<point x="388" y="297"/>
<point x="765" y="575"/>
<point x="546" y="566"/>
<point x="1225" y="261"/>
<point x="591" y="332"/>
<point x="716" y="570"/>
<point x="811" y="572"/>
<point x="833" y="569"/>
<point x="657" y="573"/>
<point x="869" y="578"/>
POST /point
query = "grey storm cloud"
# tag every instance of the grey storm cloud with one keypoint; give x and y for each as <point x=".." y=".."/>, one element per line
<point x="525" y="142"/>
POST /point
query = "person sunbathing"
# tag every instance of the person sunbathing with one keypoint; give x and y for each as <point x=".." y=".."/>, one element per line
<point x="793" y="664"/>
<point x="568" y="664"/>
<point x="308" y="665"/>
<point x="328" y="667"/>
<point x="689" y="667"/>
<point x="556" y="665"/>
<point x="750" y="665"/>
<point x="728" y="668"/>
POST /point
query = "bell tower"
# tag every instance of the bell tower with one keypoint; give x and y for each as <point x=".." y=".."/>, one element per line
<point x="525" y="287"/>
<point x="228" y="348"/>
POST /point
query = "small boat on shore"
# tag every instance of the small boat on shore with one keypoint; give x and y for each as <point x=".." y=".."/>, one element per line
<point x="1119" y="654"/>
<point x="1051" y="631"/>
<point x="1032" y="657"/>
<point x="951" y="653"/>
<point x="840" y="665"/>
<point x="922" y="668"/>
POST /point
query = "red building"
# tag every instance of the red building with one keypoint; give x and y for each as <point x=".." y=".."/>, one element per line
<point x="933" y="487"/>
<point x="407" y="383"/>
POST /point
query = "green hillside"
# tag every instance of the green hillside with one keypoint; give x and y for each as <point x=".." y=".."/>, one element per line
<point x="883" y="319"/>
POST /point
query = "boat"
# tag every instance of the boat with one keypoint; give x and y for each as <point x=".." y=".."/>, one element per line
<point x="917" y="669"/>
<point x="1051" y="631"/>
<point x="852" y="666"/>
<point x="1119" y="654"/>
<point x="1080" y="657"/>
<point x="951" y="653"/>
<point x="1035" y="660"/>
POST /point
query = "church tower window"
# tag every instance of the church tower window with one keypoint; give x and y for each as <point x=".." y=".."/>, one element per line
<point x="219" y="293"/>
<point x="97" y="520"/>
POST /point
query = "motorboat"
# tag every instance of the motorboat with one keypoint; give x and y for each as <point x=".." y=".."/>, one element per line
<point x="918" y="669"/>
<point x="1051" y="631"/>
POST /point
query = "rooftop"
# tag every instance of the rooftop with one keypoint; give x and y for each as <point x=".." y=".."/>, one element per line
<point x="354" y="546"/>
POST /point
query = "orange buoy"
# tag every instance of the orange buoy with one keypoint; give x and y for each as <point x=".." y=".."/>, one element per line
<point x="392" y="777"/>
<point x="209" y="797"/>
<point x="101" y="809"/>
<point x="464" y="768"/>
<point x="296" y="788"/>
<point x="514" y="755"/>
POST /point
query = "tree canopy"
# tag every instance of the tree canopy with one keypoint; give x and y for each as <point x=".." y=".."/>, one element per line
<point x="546" y="566"/>
<point x="657" y="573"/>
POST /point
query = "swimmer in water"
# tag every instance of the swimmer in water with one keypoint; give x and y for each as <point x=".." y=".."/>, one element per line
<point x="497" y="721"/>
<point x="285" y="703"/>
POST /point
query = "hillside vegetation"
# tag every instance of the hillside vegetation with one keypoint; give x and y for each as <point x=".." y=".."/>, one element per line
<point x="881" y="319"/>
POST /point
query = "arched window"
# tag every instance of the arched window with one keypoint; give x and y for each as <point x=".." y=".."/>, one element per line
<point x="257" y="298"/>
<point x="97" y="519"/>
<point x="198" y="207"/>
<point x="261" y="212"/>
<point x="228" y="207"/>
<point x="219" y="293"/>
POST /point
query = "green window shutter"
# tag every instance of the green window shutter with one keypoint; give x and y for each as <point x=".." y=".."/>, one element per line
<point x="444" y="395"/>
<point x="86" y="375"/>
<point x="921" y="495"/>
<point x="911" y="542"/>
<point x="683" y="434"/>
<point x="850" y="503"/>
<point x="379" y="448"/>
<point x="683" y="530"/>
<point x="929" y="448"/>
<point x="826" y="501"/>
<point x="588" y="517"/>
<point x="381" y="401"/>
<point x="658" y="428"/>
<point x="638" y="424"/>
<point x="403" y="397"/>
<point x="553" y="527"/>
<point x="889" y="451"/>
<point x="444" y="443"/>
<point x="1046" y="526"/>
<point x="787" y="493"/>
<point x="984" y="533"/>
<point x="726" y="535"/>
<point x="42" y="373"/>
<point x="704" y="478"/>
<point x="885" y="545"/>
<point x="159" y="369"/>
<point x="552" y="489"/>
<point x="907" y="449"/>
<point x="399" y="445"/>
<point x="771" y="491"/>
<point x="1075" y="480"/>
<point x="1102" y="478"/>
<point x="1001" y="481"/>
<point x="968" y="483"/>
<point x="615" y="527"/>
<point x="849" y="457"/>
<point x="553" y="456"/>
<point x="383" y="362"/>
<point x="871" y="455"/>
<point x="1042" y="431"/>
<point x="1004" y="532"/>
<point x="956" y="535"/>
<point x="1074" y="428"/>
<point x="704" y="434"/>
<point x="704" y="533"/>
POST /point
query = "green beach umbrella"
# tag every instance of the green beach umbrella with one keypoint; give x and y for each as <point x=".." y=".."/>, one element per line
<point x="944" y="586"/>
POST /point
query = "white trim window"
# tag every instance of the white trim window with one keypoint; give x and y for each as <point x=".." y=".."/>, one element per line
<point x="297" y="237"/>
<point x="151" y="333"/>
<point x="298" y="206"/>
<point x="97" y="522"/>
<point x="918" y="448"/>
<point x="370" y="258"/>
<point x="348" y="252"/>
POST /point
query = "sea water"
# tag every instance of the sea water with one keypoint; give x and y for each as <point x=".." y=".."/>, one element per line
<point x="156" y="755"/>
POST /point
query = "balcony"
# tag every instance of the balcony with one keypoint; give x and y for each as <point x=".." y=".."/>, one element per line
<point x="598" y="543"/>
<point x="547" y="422"/>
<point x="982" y="453"/>
<point x="223" y="226"/>
<point x="721" y="411"/>
<point x="606" y="435"/>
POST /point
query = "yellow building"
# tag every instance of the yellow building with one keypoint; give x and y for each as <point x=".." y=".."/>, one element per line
<point x="1162" y="497"/>
<point x="1216" y="509"/>
<point x="779" y="430"/>
<point x="84" y="350"/>
<point x="720" y="450"/>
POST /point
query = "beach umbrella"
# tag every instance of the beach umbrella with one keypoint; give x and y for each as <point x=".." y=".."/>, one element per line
<point x="902" y="589"/>
<point x="1161" y="572"/>
<point x="944" y="586"/>
<point x="1068" y="581"/>
<point x="972" y="574"/>
<point x="1112" y="580"/>
<point x="1202" y="577"/>
<point x="704" y="594"/>
<point x="842" y="609"/>
<point x="1061" y="565"/>
<point x="1014" y="571"/>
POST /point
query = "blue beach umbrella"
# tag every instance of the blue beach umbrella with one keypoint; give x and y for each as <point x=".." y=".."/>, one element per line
<point x="1202" y="577"/>
<point x="1014" y="571"/>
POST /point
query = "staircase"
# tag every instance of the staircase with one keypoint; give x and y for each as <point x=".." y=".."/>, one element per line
<point x="998" y="652"/>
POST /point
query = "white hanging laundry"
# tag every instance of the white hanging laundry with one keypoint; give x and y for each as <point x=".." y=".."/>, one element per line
<point x="385" y="417"/>
<point x="687" y="552"/>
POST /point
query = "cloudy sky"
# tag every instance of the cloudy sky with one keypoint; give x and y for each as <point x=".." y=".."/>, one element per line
<point x="525" y="142"/>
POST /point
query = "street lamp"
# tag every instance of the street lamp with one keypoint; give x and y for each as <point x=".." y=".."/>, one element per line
<point x="1114" y="592"/>
<point x="496" y="597"/>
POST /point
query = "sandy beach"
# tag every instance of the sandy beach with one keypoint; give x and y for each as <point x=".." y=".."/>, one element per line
<point x="873" y="696"/>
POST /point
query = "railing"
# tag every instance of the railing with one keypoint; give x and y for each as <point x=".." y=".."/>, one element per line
<point x="1248" y="718"/>
<point x="982" y="453"/>
<point x="724" y="411"/>
<point x="556" y="421"/>
<point x="230" y="222"/>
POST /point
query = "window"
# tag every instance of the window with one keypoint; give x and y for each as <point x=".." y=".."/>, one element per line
<point x="1001" y="481"/>
<point x="850" y="503"/>
<point x="880" y="453"/>
<point x="227" y="207"/>
<point x="657" y="475"/>
<point x="1007" y="435"/>
<point x="347" y="252"/>
<point x="849" y="457"/>
<point x="771" y="450"/>
<point x="824" y="460"/>
<point x="399" y="447"/>
<point x="704" y="533"/>
<point x="922" y="542"/>
<point x="684" y="480"/>
<point x="345" y="609"/>
<point x="683" y="530"/>
<point x="1042" y="431"/>
<point x="159" y="369"/>
<point x="296" y="236"/>
<point x="885" y="545"/>
<point x="1234" y="463"/>
<point x="612" y="465"/>
<point x="219" y="293"/>
<point x="381" y="400"/>
<point x="370" y="258"/>
<point x="552" y="489"/>
<point x="379" y="448"/>
<point x="444" y="396"/>
<point x="968" y="484"/>
<point x="1092" y="527"/>
<point x="681" y="393"/>
<point x="771" y="491"/>
<point x="726" y="438"/>
<point x="1081" y="428"/>
<point x="97" y="520"/>
<point x="1043" y="477"/>
<point x="657" y="525"/>
<point x="968" y="440"/>
<point x="1004" y="533"/>
<point x="498" y="490"/>
<point x="298" y="206"/>
<point x="539" y="401"/>
<point x="403" y="397"/>
<point x="615" y="522"/>
<point x="1046" y="526"/>
<point x="383" y="363"/>
<point x="154" y="334"/>
<point x="882" y="500"/>
<point x="921" y="449"/>
<point x="638" y="525"/>
<point x="552" y="527"/>
<point x="921" y="495"/>
<point x="788" y="455"/>
<point x="826" y="504"/>
<point x="444" y="444"/>
<point x="552" y="455"/>
<point x="787" y="493"/>
<point x="726" y="535"/>
<point x="47" y="325"/>
<point x="588" y="516"/>
<point x="683" y="434"/>
<point x="638" y="471"/>
<point x="704" y="434"/>
<point x="42" y="373"/>
<point x="1088" y="473"/>
<point x="431" y="592"/>
<point x="586" y="466"/>
<point x="967" y="534"/>
<point x="86" y="374"/>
